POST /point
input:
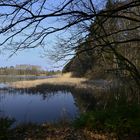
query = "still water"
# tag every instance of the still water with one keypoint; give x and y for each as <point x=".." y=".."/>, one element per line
<point x="26" y="107"/>
<point x="40" y="106"/>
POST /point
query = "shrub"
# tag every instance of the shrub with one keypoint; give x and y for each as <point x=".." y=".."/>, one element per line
<point x="123" y="119"/>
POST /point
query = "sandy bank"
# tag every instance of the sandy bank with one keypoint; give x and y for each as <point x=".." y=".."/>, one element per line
<point x="61" y="80"/>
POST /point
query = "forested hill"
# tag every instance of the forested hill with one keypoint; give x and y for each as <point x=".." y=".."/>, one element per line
<point x="112" y="45"/>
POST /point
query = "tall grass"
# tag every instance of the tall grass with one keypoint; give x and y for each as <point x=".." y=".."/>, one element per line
<point x="117" y="110"/>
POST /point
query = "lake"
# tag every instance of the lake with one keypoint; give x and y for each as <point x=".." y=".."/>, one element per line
<point x="36" y="107"/>
<point x="39" y="107"/>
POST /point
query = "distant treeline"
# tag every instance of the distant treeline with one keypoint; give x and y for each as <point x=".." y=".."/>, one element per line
<point x="30" y="70"/>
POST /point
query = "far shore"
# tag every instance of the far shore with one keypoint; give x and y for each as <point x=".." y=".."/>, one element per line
<point x="63" y="80"/>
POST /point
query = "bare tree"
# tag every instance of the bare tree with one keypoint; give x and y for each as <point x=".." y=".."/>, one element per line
<point x="29" y="19"/>
<point x="25" y="24"/>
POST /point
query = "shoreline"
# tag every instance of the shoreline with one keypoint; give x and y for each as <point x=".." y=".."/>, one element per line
<point x="63" y="80"/>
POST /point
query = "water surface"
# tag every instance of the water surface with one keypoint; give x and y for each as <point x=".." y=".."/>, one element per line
<point x="40" y="106"/>
<point x="36" y="107"/>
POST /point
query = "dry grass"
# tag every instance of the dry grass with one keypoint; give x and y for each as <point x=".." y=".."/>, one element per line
<point x="60" y="80"/>
<point x="64" y="79"/>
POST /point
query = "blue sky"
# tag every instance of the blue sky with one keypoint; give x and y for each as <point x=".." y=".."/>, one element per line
<point x="33" y="56"/>
<point x="25" y="57"/>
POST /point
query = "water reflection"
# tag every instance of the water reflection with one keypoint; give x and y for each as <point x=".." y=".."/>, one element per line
<point x="36" y="107"/>
<point x="43" y="103"/>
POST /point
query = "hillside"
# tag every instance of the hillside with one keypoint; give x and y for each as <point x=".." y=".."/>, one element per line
<point x="111" y="48"/>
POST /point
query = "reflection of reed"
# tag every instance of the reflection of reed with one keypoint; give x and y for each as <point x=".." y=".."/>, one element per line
<point x="81" y="98"/>
<point x="84" y="100"/>
<point x="46" y="93"/>
<point x="1" y="98"/>
<point x="27" y="112"/>
<point x="64" y="115"/>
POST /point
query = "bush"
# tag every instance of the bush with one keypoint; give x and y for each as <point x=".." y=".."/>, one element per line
<point x="123" y="119"/>
<point x="5" y="124"/>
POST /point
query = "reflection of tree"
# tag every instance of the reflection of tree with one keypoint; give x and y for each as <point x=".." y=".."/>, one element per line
<point x="3" y="93"/>
<point x="47" y="92"/>
<point x="48" y="95"/>
<point x="84" y="101"/>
